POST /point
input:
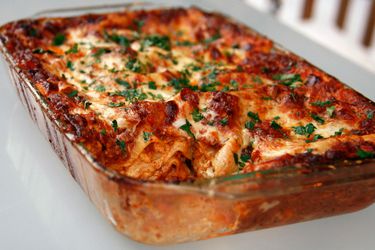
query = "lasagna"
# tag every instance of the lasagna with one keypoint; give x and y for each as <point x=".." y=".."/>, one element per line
<point x="182" y="94"/>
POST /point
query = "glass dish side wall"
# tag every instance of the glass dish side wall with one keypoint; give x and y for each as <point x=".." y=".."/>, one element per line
<point x="157" y="213"/>
<point x="161" y="213"/>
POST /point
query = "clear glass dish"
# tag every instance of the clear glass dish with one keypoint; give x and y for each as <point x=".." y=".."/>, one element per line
<point x="165" y="213"/>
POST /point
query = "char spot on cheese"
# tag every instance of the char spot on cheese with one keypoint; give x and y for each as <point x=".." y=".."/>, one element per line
<point x="171" y="110"/>
<point x="190" y="96"/>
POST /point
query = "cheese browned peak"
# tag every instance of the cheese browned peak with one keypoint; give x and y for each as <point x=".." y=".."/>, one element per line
<point x="176" y="94"/>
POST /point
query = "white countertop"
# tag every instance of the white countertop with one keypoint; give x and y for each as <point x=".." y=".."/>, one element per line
<point x="41" y="207"/>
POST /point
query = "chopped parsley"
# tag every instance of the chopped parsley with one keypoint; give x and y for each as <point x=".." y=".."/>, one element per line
<point x="212" y="38"/>
<point x="186" y="127"/>
<point x="123" y="83"/>
<point x="305" y="130"/>
<point x="224" y="121"/>
<point x="73" y="93"/>
<point x="315" y="138"/>
<point x="257" y="79"/>
<point x="139" y="24"/>
<point x="275" y="125"/>
<point x="152" y="85"/>
<point x="103" y="132"/>
<point x="100" y="88"/>
<point x="121" y="144"/>
<point x="114" y="125"/>
<point x="162" y="42"/>
<point x="146" y="136"/>
<point x="134" y="65"/>
<point x="267" y="98"/>
<point x="73" y="49"/>
<point x="287" y="79"/>
<point x="370" y="114"/>
<point x="180" y="83"/>
<point x="339" y="132"/>
<point x="309" y="150"/>
<point x="330" y="111"/>
<point x="42" y="51"/>
<point x="184" y="43"/>
<point x="197" y="116"/>
<point x="240" y="161"/>
<point x="253" y="116"/>
<point x="317" y="118"/>
<point x="321" y="103"/>
<point x="70" y="65"/>
<point x="209" y="87"/>
<point x="234" y="84"/>
<point x="131" y="95"/>
<point x="58" y="40"/>
<point x="86" y="104"/>
<point x="101" y="51"/>
<point x="116" y="105"/>
<point x="121" y="40"/>
<point x="364" y="154"/>
<point x="250" y="125"/>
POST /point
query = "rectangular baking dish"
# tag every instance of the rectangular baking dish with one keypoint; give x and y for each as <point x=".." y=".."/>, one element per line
<point x="166" y="213"/>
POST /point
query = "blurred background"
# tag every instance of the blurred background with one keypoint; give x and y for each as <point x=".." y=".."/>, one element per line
<point x="345" y="26"/>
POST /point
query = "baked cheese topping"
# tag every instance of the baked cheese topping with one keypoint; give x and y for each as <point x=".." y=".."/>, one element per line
<point x="179" y="93"/>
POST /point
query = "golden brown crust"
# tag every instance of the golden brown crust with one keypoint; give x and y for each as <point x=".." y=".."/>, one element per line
<point x="244" y="104"/>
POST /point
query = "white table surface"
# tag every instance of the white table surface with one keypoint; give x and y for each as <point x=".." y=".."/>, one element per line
<point x="41" y="207"/>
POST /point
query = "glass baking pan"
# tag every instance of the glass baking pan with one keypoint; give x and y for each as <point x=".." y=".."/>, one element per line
<point x="166" y="213"/>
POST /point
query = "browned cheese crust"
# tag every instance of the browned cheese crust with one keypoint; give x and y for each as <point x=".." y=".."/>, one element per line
<point x="177" y="94"/>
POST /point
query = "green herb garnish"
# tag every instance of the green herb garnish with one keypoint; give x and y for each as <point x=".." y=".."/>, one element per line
<point x="73" y="93"/>
<point x="339" y="132"/>
<point x="370" y="114"/>
<point x="121" y="40"/>
<point x="116" y="105"/>
<point x="224" y="121"/>
<point x="287" y="79"/>
<point x="212" y="38"/>
<point x="86" y="104"/>
<point x="152" y="85"/>
<point x="162" y="42"/>
<point x="364" y="154"/>
<point x="139" y="24"/>
<point x="123" y="83"/>
<point x="321" y="103"/>
<point x="197" y="116"/>
<point x="186" y="127"/>
<point x="121" y="144"/>
<point x="100" y="52"/>
<point x="330" y="111"/>
<point x="250" y="125"/>
<point x="42" y="51"/>
<point x="100" y="88"/>
<point x="134" y="65"/>
<point x="253" y="116"/>
<point x="315" y="138"/>
<point x="146" y="136"/>
<point x="70" y="65"/>
<point x="317" y="118"/>
<point x="184" y="43"/>
<point x="58" y="40"/>
<point x="131" y="95"/>
<point x="73" y="49"/>
<point x="305" y="130"/>
<point x="275" y="125"/>
<point x="114" y="125"/>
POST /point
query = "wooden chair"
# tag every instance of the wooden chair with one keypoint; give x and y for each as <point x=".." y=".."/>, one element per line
<point x="308" y="10"/>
